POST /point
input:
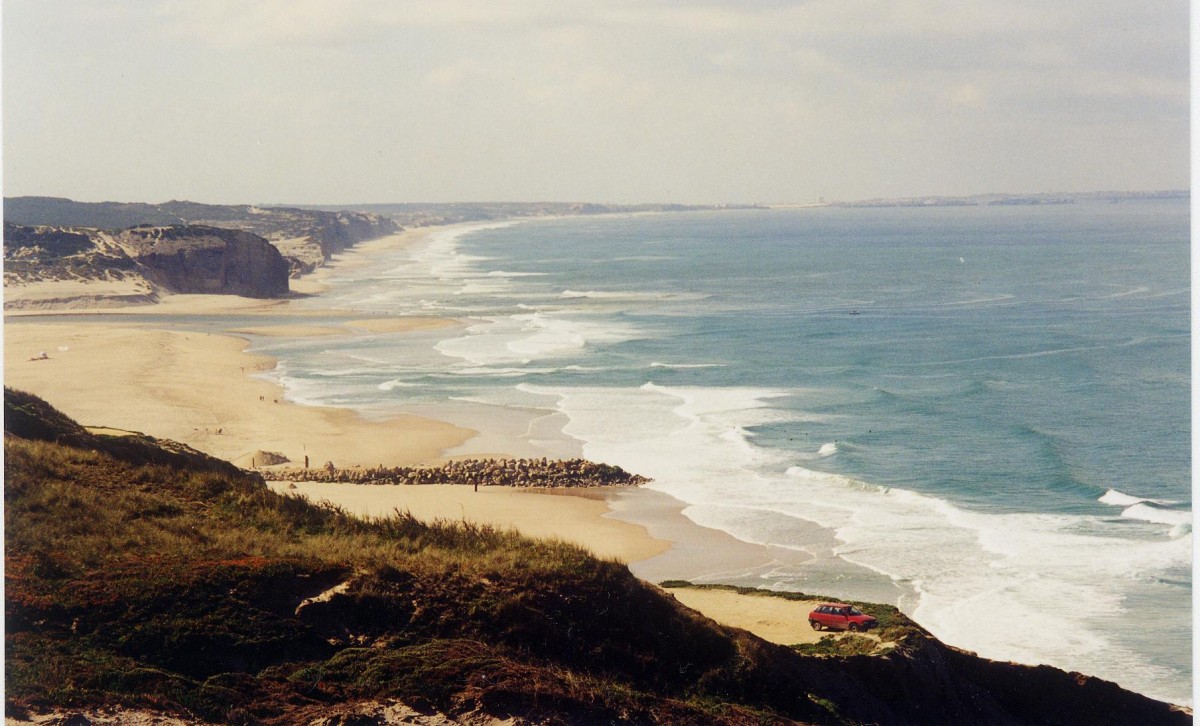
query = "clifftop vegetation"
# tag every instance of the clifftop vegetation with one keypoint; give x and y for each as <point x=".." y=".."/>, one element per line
<point x="143" y="574"/>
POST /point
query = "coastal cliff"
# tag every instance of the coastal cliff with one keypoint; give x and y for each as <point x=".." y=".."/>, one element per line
<point x="137" y="265"/>
<point x="305" y="237"/>
<point x="144" y="575"/>
<point x="200" y="259"/>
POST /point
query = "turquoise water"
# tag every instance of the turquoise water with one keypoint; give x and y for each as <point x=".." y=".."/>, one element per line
<point x="984" y="410"/>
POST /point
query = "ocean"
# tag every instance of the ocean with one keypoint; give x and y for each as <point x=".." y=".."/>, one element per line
<point x="980" y="414"/>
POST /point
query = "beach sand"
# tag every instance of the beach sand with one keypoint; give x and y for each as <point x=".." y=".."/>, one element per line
<point x="770" y="618"/>
<point x="197" y="388"/>
<point x="159" y="376"/>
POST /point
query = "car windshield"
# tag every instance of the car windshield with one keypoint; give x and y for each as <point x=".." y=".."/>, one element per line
<point x="855" y="611"/>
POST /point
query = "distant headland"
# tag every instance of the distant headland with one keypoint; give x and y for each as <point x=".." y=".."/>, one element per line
<point x="123" y="253"/>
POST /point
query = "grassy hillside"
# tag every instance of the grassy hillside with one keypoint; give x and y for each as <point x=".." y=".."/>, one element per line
<point x="145" y="574"/>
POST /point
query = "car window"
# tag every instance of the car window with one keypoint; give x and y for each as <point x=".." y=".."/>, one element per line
<point x="855" y="611"/>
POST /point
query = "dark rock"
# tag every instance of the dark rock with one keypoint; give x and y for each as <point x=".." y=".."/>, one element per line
<point x="198" y="259"/>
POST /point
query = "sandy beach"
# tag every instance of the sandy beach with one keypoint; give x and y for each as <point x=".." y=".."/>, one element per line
<point x="163" y="375"/>
<point x="198" y="389"/>
<point x="773" y="619"/>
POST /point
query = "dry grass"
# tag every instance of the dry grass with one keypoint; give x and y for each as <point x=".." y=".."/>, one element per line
<point x="163" y="586"/>
<point x="145" y="574"/>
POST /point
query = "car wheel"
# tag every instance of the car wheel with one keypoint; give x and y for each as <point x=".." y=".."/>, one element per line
<point x="853" y="627"/>
<point x="814" y="624"/>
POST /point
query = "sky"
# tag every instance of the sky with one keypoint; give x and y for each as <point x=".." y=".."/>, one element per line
<point x="755" y="101"/>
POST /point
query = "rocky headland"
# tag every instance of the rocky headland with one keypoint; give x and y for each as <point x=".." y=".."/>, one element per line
<point x="144" y="262"/>
<point x="305" y="237"/>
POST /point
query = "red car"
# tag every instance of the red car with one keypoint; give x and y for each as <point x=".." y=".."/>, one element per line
<point x="839" y="616"/>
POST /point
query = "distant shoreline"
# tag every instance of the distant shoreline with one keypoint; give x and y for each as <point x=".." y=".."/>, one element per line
<point x="996" y="199"/>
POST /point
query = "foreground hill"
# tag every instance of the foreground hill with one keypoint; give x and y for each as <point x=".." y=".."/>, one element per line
<point x="145" y="575"/>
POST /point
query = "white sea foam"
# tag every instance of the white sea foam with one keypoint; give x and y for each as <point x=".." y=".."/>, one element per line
<point x="589" y="293"/>
<point x="643" y="258"/>
<point x="827" y="449"/>
<point x="1038" y="588"/>
<point x="980" y="300"/>
<point x="343" y="372"/>
<point x="499" y="372"/>
<point x="1128" y="292"/>
<point x="1031" y="587"/>
<point x="1121" y="499"/>
<point x="528" y="337"/>
<point x="503" y="273"/>
<point x="394" y="384"/>
<point x="1157" y="515"/>
<point x="614" y="295"/>
<point x="657" y="364"/>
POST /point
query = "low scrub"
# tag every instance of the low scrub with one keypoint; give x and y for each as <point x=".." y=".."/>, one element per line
<point x="188" y="586"/>
<point x="142" y="574"/>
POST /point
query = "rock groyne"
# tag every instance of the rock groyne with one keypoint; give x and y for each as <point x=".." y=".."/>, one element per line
<point x="476" y="472"/>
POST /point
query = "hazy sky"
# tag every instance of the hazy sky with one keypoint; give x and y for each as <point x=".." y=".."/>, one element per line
<point x="342" y="101"/>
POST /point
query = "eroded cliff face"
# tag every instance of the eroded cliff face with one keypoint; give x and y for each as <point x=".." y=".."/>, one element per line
<point x="138" y="264"/>
<point x="305" y="237"/>
<point x="199" y="259"/>
<point x="340" y="230"/>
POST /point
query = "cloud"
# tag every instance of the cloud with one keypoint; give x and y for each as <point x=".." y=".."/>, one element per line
<point x="718" y="101"/>
<point x="246" y="23"/>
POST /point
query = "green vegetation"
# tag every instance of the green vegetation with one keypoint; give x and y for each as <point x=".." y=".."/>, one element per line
<point x="849" y="644"/>
<point x="141" y="573"/>
<point x="178" y="585"/>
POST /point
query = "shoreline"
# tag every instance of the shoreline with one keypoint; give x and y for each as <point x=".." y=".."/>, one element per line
<point x="182" y="377"/>
<point x="158" y="375"/>
<point x="125" y="366"/>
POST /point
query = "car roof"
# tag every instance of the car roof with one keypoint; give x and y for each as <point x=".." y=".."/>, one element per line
<point x="833" y="605"/>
